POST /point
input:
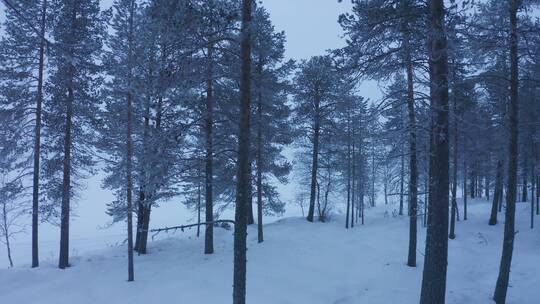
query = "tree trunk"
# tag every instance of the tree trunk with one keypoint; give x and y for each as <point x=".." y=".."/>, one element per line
<point x="260" y="236"/>
<point x="538" y="195"/>
<point x="141" y="204"/>
<point x="37" y="140"/>
<point x="315" y="159"/>
<point x="243" y="180"/>
<point x="199" y="208"/>
<point x="509" y="229"/>
<point x="496" y="195"/>
<point x="209" y="204"/>
<point x="413" y="166"/>
<point x="148" y="199"/>
<point x="532" y="197"/>
<point x="6" y="233"/>
<point x="464" y="190"/>
<point x="401" y="183"/>
<point x="525" y="181"/>
<point x="63" y="260"/>
<point x="452" y="234"/>
<point x="129" y="152"/>
<point x="249" y="208"/>
<point x="436" y="253"/>
<point x="348" y="170"/>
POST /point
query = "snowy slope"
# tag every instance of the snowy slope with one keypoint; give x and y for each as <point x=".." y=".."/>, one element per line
<point x="319" y="263"/>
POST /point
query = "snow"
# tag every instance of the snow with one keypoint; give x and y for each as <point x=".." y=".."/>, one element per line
<point x="299" y="262"/>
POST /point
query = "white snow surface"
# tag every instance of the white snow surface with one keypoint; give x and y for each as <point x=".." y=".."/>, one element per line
<point x="299" y="262"/>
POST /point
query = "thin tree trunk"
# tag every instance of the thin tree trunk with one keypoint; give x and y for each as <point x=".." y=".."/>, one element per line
<point x="6" y="233"/>
<point x="129" y="149"/>
<point x="315" y="159"/>
<point x="509" y="229"/>
<point x="348" y="170"/>
<point x="496" y="195"/>
<point x="353" y="178"/>
<point x="525" y="181"/>
<point x="436" y="253"/>
<point x="538" y="195"/>
<point x="249" y="208"/>
<point x="260" y="235"/>
<point x="452" y="234"/>
<point x="464" y="190"/>
<point x="243" y="180"/>
<point x="37" y="140"/>
<point x="532" y="201"/>
<point x="209" y="205"/>
<point x="401" y="183"/>
<point x="199" y="208"/>
<point x="413" y="166"/>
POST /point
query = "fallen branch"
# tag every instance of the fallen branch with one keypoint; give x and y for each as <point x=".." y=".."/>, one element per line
<point x="157" y="231"/>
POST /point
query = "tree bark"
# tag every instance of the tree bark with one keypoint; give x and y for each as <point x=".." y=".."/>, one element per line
<point x="315" y="158"/>
<point x="464" y="190"/>
<point x="63" y="260"/>
<point x="129" y="150"/>
<point x="260" y="235"/>
<point x="209" y="201"/>
<point x="37" y="140"/>
<point x="348" y="170"/>
<point x="6" y="233"/>
<point x="436" y="253"/>
<point x="509" y="229"/>
<point x="453" y="216"/>
<point x="413" y="166"/>
<point x="243" y="180"/>
<point x="496" y="195"/>
<point x="538" y="195"/>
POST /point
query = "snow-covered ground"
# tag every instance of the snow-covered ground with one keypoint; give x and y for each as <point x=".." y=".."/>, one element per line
<point x="299" y="262"/>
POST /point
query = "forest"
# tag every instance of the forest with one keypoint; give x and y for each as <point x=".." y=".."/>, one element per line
<point x="195" y="103"/>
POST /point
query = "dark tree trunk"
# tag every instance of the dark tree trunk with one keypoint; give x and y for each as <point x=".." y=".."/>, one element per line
<point x="63" y="260"/>
<point x="353" y="178"/>
<point x="496" y="195"/>
<point x="532" y="196"/>
<point x="464" y="190"/>
<point x="413" y="166"/>
<point x="436" y="253"/>
<point x="453" y="216"/>
<point x="525" y="181"/>
<point x="199" y="197"/>
<point x="348" y="171"/>
<point x="148" y="199"/>
<point x="509" y="229"/>
<point x="260" y="236"/>
<point x="537" y="195"/>
<point x="243" y="180"/>
<point x="141" y="202"/>
<point x="209" y="200"/>
<point x="249" y="208"/>
<point x="315" y="159"/>
<point x="401" y="183"/>
<point x="66" y="180"/>
<point x="37" y="140"/>
<point x="129" y="150"/>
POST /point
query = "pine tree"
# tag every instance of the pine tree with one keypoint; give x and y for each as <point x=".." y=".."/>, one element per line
<point x="315" y="84"/>
<point x="22" y="58"/>
<point x="77" y="31"/>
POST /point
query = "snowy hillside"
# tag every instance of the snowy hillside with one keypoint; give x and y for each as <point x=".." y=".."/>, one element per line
<point x="320" y="263"/>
